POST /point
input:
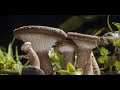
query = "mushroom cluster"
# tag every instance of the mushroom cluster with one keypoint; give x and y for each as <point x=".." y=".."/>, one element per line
<point x="38" y="40"/>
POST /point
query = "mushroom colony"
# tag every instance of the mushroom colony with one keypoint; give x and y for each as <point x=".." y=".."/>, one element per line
<point x="38" y="40"/>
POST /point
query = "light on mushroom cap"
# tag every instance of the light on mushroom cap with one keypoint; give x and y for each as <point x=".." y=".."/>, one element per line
<point x="86" y="38"/>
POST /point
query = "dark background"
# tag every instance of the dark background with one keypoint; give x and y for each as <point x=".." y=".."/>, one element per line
<point x="9" y="22"/>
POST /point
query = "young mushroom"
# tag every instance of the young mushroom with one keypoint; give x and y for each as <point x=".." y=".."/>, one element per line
<point x="42" y="39"/>
<point x="67" y="48"/>
<point x="85" y="43"/>
<point x="34" y="68"/>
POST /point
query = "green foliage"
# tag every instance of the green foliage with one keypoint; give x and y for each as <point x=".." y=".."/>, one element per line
<point x="104" y="51"/>
<point x="10" y="64"/>
<point x="108" y="22"/>
<point x="56" y="60"/>
<point x="71" y="70"/>
<point x="75" y="22"/>
<point x="116" y="43"/>
<point x="110" y="59"/>
<point x="117" y="25"/>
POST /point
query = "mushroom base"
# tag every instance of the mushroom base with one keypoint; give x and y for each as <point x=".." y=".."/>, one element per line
<point x="83" y="57"/>
<point x="45" y="63"/>
<point x="69" y="57"/>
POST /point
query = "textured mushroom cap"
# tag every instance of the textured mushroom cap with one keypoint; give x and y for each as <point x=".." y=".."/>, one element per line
<point x="87" y="38"/>
<point x="38" y="30"/>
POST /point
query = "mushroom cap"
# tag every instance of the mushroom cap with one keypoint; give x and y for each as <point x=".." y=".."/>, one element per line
<point x="41" y="37"/>
<point x="39" y="29"/>
<point x="87" y="38"/>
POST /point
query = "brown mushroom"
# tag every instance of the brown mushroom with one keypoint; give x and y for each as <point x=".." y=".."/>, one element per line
<point x="34" y="59"/>
<point x="67" y="48"/>
<point x="34" y="68"/>
<point x="42" y="39"/>
<point x="85" y="45"/>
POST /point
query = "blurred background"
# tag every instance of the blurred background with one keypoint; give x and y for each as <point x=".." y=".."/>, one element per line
<point x="78" y="23"/>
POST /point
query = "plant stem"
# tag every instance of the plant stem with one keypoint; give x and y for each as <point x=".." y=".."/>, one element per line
<point x="108" y="22"/>
<point x="26" y="63"/>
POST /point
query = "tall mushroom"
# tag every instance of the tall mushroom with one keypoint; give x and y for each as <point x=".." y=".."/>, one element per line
<point x="85" y="45"/>
<point x="67" y="48"/>
<point x="34" y="68"/>
<point x="42" y="39"/>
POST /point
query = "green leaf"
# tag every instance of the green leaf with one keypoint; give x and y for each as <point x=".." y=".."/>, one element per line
<point x="76" y="22"/>
<point x="102" y="59"/>
<point x="117" y="64"/>
<point x="56" y="59"/>
<point x="117" y="25"/>
<point x="64" y="72"/>
<point x="104" y="51"/>
<point x="110" y="61"/>
<point x="71" y="24"/>
<point x="116" y="43"/>
<point x="3" y="48"/>
<point x="79" y="72"/>
<point x="70" y="68"/>
<point x="76" y="73"/>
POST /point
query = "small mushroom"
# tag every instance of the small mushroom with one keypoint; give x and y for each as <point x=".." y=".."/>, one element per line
<point x="67" y="48"/>
<point x="42" y="39"/>
<point x="34" y="68"/>
<point x="85" y="45"/>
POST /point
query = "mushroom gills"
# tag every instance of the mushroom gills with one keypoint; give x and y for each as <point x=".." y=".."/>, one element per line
<point x="41" y="48"/>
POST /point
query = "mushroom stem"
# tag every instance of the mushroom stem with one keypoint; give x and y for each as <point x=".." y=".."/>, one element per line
<point x="67" y="49"/>
<point x="89" y="68"/>
<point x="34" y="68"/>
<point x="69" y="57"/>
<point x="83" y="56"/>
<point x="45" y="64"/>
<point x="96" y="68"/>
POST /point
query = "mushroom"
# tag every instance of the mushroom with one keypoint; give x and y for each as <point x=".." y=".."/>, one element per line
<point x="96" y="69"/>
<point x="67" y="48"/>
<point x="34" y="68"/>
<point x="42" y="39"/>
<point x="85" y="45"/>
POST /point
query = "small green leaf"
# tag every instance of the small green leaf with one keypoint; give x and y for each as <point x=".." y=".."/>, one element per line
<point x="72" y="23"/>
<point x="77" y="73"/>
<point x="64" y="72"/>
<point x="110" y="61"/>
<point x="102" y="59"/>
<point x="117" y="25"/>
<point x="117" y="64"/>
<point x="70" y="68"/>
<point x="104" y="51"/>
<point x="116" y="43"/>
<point x="1" y="53"/>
